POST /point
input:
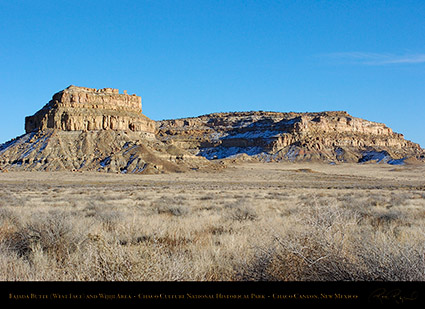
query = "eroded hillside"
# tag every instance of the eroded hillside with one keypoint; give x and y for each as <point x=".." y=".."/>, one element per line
<point x="87" y="129"/>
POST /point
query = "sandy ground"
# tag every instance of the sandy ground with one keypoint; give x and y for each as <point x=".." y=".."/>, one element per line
<point x="302" y="175"/>
<point x="254" y="182"/>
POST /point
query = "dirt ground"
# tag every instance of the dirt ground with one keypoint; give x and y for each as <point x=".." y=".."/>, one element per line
<point x="276" y="175"/>
<point x="251" y="221"/>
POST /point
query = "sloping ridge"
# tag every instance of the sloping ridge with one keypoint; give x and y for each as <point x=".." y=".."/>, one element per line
<point x="102" y="151"/>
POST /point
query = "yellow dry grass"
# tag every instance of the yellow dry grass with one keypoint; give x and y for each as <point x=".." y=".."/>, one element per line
<point x="284" y="222"/>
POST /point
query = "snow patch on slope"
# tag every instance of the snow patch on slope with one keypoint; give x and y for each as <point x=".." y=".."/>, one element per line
<point x="380" y="157"/>
<point x="253" y="135"/>
<point x="228" y="152"/>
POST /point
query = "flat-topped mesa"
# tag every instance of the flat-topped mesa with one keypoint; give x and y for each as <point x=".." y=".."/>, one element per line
<point x="329" y="136"/>
<point x="80" y="108"/>
<point x="106" y="98"/>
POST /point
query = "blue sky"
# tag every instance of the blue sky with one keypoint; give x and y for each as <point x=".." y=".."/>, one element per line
<point x="188" y="58"/>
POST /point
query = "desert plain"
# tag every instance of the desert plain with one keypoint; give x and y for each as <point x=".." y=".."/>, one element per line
<point x="246" y="222"/>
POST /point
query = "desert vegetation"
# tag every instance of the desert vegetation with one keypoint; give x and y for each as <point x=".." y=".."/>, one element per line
<point x="252" y="222"/>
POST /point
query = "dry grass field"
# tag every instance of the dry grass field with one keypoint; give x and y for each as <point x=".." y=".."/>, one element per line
<point x="249" y="222"/>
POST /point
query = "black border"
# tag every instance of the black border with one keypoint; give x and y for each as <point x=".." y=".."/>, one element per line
<point x="279" y="293"/>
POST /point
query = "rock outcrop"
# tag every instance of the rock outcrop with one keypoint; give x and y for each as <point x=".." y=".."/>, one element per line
<point x="87" y="129"/>
<point x="272" y="136"/>
<point x="80" y="108"/>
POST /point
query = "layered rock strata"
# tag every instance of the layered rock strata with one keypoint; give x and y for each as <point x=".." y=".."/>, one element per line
<point x="271" y="136"/>
<point x="87" y="129"/>
<point x="81" y="108"/>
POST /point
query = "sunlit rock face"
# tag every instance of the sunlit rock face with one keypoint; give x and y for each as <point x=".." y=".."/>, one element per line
<point x="332" y="136"/>
<point x="81" y="108"/>
<point x="87" y="129"/>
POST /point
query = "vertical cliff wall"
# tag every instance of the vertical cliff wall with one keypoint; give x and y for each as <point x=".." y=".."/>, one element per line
<point x="81" y="108"/>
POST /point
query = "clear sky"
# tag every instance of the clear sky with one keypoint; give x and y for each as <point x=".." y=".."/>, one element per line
<point x="188" y="58"/>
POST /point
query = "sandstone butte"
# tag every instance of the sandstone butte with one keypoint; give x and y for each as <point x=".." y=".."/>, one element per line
<point x="87" y="129"/>
<point x="80" y="108"/>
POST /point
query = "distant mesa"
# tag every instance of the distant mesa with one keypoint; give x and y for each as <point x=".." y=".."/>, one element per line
<point x="88" y="129"/>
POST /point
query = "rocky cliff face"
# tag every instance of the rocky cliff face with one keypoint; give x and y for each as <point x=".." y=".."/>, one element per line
<point x="80" y="108"/>
<point x="271" y="136"/>
<point x="86" y="129"/>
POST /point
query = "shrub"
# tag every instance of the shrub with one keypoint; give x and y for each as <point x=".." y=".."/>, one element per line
<point x="52" y="233"/>
<point x="332" y="246"/>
